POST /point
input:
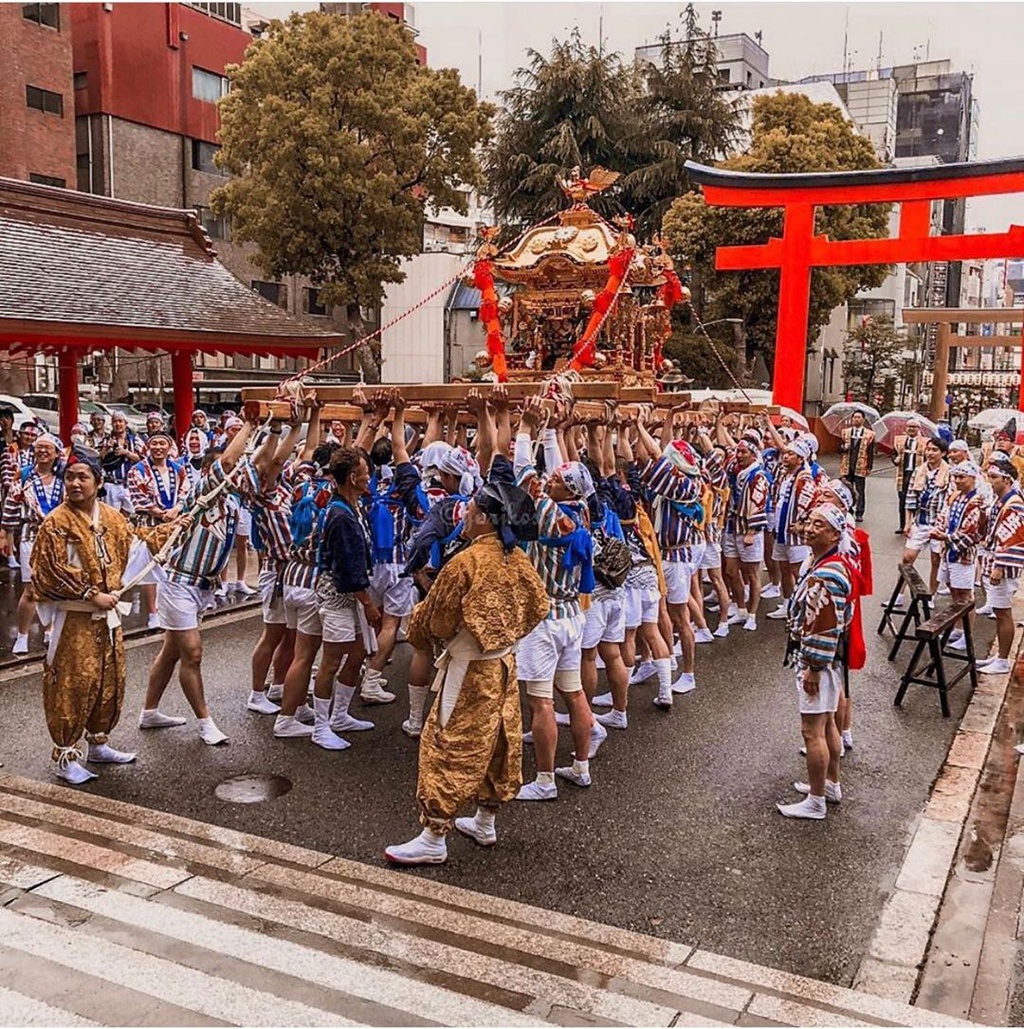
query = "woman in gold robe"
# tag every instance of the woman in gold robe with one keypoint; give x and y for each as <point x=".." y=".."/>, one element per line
<point x="84" y="553"/>
<point x="486" y="599"/>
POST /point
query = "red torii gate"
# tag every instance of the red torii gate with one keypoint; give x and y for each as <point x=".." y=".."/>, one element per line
<point x="799" y="250"/>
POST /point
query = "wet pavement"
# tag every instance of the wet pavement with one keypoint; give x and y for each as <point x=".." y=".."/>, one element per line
<point x="678" y="837"/>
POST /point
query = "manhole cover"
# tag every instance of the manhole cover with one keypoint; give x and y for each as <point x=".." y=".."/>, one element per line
<point x="252" y="789"/>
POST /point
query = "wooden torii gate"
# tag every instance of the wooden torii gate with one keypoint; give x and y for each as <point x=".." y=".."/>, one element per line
<point x="946" y="318"/>
<point x="800" y="250"/>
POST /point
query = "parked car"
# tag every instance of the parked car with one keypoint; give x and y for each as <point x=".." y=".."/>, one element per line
<point x="22" y="411"/>
<point x="46" y="406"/>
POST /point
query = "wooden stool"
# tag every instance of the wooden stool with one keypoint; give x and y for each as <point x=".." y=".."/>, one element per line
<point x="932" y="636"/>
<point x="917" y="611"/>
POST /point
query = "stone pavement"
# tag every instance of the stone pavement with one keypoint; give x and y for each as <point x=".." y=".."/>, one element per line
<point x="113" y="914"/>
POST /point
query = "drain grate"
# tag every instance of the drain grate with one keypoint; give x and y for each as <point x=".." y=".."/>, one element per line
<point x="252" y="789"/>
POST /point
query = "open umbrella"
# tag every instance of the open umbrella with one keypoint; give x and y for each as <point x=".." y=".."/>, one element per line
<point x="836" y="417"/>
<point x="992" y="419"/>
<point x="894" y="424"/>
<point x="798" y="420"/>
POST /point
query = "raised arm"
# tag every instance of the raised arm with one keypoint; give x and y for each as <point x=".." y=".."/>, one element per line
<point x="399" y="450"/>
<point x="313" y="432"/>
<point x="236" y="447"/>
<point x="370" y="423"/>
<point x="486" y="433"/>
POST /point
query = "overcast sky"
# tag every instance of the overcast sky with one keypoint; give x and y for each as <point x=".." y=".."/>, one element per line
<point x="802" y="39"/>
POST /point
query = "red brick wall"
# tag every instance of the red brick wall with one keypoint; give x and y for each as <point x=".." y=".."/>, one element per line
<point x="35" y="55"/>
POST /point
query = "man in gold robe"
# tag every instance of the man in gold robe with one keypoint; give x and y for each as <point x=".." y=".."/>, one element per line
<point x="483" y="602"/>
<point x="85" y="551"/>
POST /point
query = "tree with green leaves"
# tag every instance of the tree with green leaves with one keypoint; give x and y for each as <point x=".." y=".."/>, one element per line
<point x="582" y="106"/>
<point x="873" y="361"/>
<point x="790" y="133"/>
<point x="337" y="140"/>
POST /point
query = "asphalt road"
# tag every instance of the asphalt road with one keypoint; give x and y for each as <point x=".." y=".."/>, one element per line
<point x="678" y="836"/>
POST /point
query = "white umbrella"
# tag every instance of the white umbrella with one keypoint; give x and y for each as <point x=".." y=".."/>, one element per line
<point x="795" y="417"/>
<point x="994" y="418"/>
<point x="836" y="417"/>
<point x="894" y="424"/>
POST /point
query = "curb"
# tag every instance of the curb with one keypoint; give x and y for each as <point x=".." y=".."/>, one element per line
<point x="904" y="946"/>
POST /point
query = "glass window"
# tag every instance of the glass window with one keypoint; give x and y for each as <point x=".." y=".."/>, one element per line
<point x="44" y="100"/>
<point x="47" y="180"/>
<point x="313" y="305"/>
<point x="272" y="291"/>
<point x="208" y="86"/>
<point x="203" y="154"/>
<point x="216" y="228"/>
<point x="79" y="79"/>
<point x="42" y="14"/>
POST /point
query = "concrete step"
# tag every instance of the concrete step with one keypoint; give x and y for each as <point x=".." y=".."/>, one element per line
<point x="115" y="914"/>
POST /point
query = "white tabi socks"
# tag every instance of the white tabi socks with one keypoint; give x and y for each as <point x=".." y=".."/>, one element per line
<point x="322" y="735"/>
<point x="341" y="720"/>
<point x="413" y="725"/>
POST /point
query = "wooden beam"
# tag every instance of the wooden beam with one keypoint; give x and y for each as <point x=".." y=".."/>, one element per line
<point x="966" y="315"/>
<point x="450" y="393"/>
<point x="984" y="341"/>
<point x="940" y="374"/>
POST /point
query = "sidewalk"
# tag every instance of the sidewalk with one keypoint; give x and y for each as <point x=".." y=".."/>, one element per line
<point x="113" y="914"/>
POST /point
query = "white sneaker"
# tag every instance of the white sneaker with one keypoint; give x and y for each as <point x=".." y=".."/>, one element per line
<point x="538" y="791"/>
<point x="210" y="734"/>
<point x="983" y="610"/>
<point x="425" y="849"/>
<point x="958" y="644"/>
<point x="686" y="683"/>
<point x="221" y="592"/>
<point x="103" y="754"/>
<point x="412" y="729"/>
<point x="153" y="621"/>
<point x="486" y="837"/>
<point x="288" y="727"/>
<point x="738" y="618"/>
<point x="847" y="737"/>
<point x="703" y="636"/>
<point x="275" y="691"/>
<point x="562" y="718"/>
<point x="20" y="644"/>
<point x="156" y="719"/>
<point x="943" y="590"/>
<point x="528" y="738"/>
<point x="570" y="774"/>
<point x="243" y="589"/>
<point x="347" y="723"/>
<point x="750" y="624"/>
<point x="12" y="562"/>
<point x="663" y="701"/>
<point x="305" y="714"/>
<point x="900" y="601"/>
<point x="995" y="666"/>
<point x="771" y="591"/>
<point x="677" y="650"/>
<point x="373" y="693"/>
<point x="604" y="700"/>
<point x="833" y="791"/>
<point x="642" y="673"/>
<point x="323" y="737"/>
<point x="723" y="630"/>
<point x="779" y="613"/>
<point x="261" y="704"/>
<point x="613" y="720"/>
<point x="598" y="734"/>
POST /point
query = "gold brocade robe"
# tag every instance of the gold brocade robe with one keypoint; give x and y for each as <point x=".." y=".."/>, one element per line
<point x="83" y="686"/>
<point x="498" y="599"/>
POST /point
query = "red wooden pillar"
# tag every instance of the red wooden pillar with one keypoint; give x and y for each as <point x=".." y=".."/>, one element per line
<point x="794" y="305"/>
<point x="181" y="374"/>
<point x="67" y="390"/>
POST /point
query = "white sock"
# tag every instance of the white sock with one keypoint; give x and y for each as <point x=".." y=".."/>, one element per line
<point x="581" y="767"/>
<point x="321" y="709"/>
<point x="546" y="778"/>
<point x="817" y="803"/>
<point x="417" y="701"/>
<point x="342" y="698"/>
<point x="435" y="839"/>
<point x="485" y="817"/>
<point x="663" y="666"/>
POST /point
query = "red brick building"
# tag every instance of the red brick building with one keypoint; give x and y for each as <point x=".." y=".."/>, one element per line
<point x="37" y="110"/>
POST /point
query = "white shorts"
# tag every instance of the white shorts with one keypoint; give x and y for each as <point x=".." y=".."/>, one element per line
<point x="827" y="698"/>
<point x="642" y="607"/>
<point x="772" y="524"/>
<point x="302" y="610"/>
<point x="920" y="539"/>
<point x="340" y="624"/>
<point x="118" y="498"/>
<point x="25" y="559"/>
<point x="712" y="557"/>
<point x="677" y="580"/>
<point x="392" y="592"/>
<point x="790" y="554"/>
<point x="552" y="653"/>
<point x="733" y="546"/>
<point x="180" y="607"/>
<point x="605" y="621"/>
<point x="271" y="596"/>
<point x="957" y="576"/>
<point x="1000" y="595"/>
<point x="244" y="527"/>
